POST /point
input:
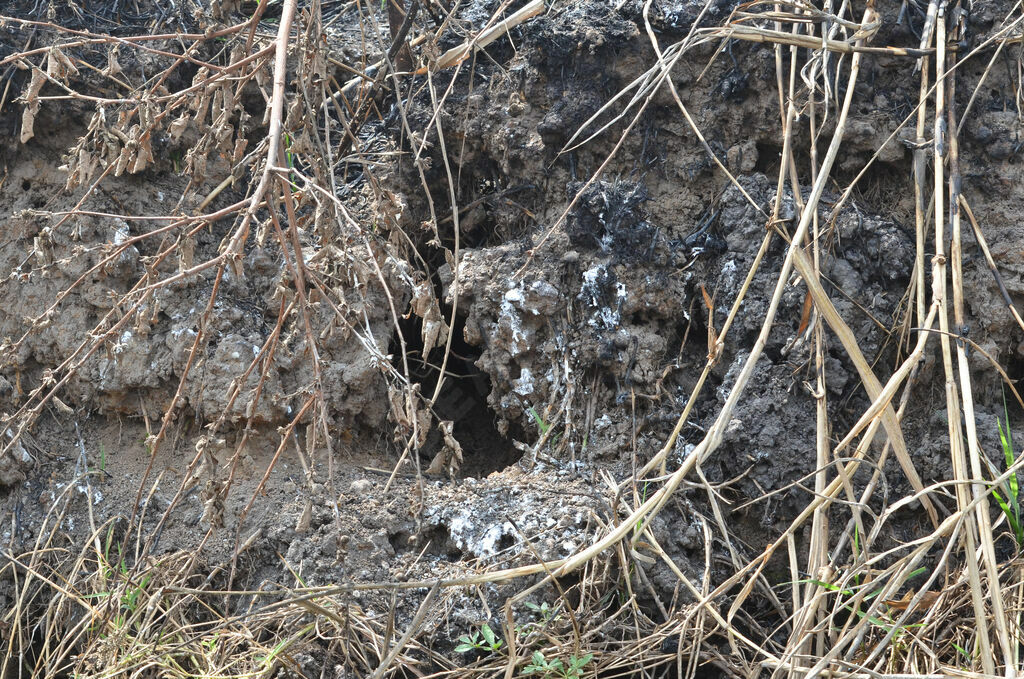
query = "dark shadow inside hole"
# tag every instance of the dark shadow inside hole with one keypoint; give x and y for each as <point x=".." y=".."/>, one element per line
<point x="399" y="541"/>
<point x="1014" y="366"/>
<point x="32" y="660"/>
<point x="768" y="159"/>
<point x="493" y="210"/>
<point x="505" y="542"/>
<point x="436" y="540"/>
<point x="439" y="542"/>
<point x="463" y="401"/>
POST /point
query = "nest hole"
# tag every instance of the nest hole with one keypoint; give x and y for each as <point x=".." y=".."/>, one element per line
<point x="462" y="401"/>
<point x="436" y="540"/>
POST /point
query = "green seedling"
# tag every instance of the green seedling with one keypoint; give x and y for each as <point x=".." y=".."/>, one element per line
<point x="856" y="550"/>
<point x="290" y="160"/>
<point x="849" y="592"/>
<point x="280" y="648"/>
<point x="542" y="666"/>
<point x="1010" y="502"/>
<point x="483" y="639"/>
<point x="884" y="624"/>
<point x="542" y="426"/>
<point x="643" y="498"/>
<point x="545" y="614"/>
<point x="544" y="611"/>
<point x="210" y="644"/>
<point x="101" y="471"/>
<point x="127" y="596"/>
<point x="575" y="667"/>
<point x="556" y="669"/>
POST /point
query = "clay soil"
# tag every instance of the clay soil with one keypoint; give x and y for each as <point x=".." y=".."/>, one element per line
<point x="323" y="403"/>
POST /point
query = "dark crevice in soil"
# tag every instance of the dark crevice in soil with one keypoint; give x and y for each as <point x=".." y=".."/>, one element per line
<point x="768" y="158"/>
<point x="463" y="401"/>
<point x="1014" y="363"/>
<point x="436" y="539"/>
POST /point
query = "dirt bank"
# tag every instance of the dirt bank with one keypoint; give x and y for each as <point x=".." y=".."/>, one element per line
<point x="446" y="330"/>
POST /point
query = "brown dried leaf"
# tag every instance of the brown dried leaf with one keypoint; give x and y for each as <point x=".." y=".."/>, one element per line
<point x="122" y="161"/>
<point x="113" y="66"/>
<point x="186" y="254"/>
<point x="240" y="145"/>
<point x="296" y="113"/>
<point x="397" y="410"/>
<point x="438" y="464"/>
<point x="301" y="144"/>
<point x="422" y="421"/>
<point x="708" y="300"/>
<point x="58" y="65"/>
<point x="31" y="97"/>
<point x="435" y="330"/>
<point x="144" y="155"/>
<point x="448" y="460"/>
<point x="453" y="447"/>
<point x="305" y="519"/>
<point x="28" y="120"/>
<point x="176" y="128"/>
<point x="195" y="163"/>
<point x="421" y="298"/>
<point x="805" y="315"/>
<point x="145" y="115"/>
<point x="927" y="600"/>
<point x="424" y="304"/>
<point x="213" y="506"/>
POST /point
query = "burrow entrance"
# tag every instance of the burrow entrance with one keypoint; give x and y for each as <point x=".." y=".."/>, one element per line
<point x="463" y="401"/>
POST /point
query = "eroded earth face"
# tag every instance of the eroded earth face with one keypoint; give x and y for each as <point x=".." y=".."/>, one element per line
<point x="592" y="281"/>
